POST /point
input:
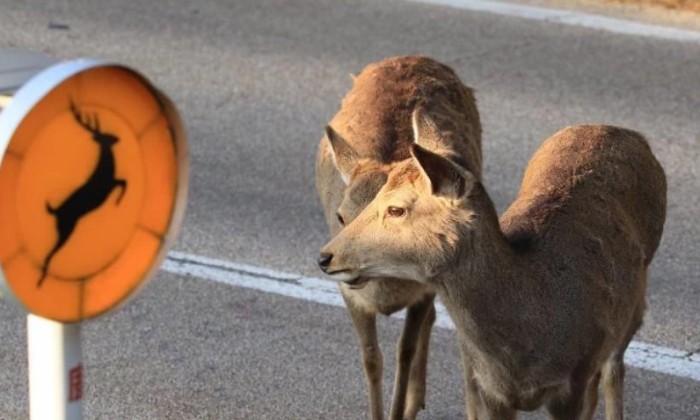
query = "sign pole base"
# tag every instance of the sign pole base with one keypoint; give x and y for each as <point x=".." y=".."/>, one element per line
<point x="55" y="370"/>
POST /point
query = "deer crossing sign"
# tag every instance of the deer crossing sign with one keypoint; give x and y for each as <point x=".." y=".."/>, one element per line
<point x="93" y="180"/>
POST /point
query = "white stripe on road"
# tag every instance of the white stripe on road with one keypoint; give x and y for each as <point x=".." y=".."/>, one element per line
<point x="640" y="355"/>
<point x="569" y="17"/>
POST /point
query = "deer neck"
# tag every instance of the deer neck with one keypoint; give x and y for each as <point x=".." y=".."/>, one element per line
<point x="106" y="152"/>
<point x="487" y="291"/>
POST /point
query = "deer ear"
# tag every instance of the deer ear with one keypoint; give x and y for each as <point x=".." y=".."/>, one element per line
<point x="428" y="133"/>
<point x="445" y="178"/>
<point x="344" y="156"/>
<point x="424" y="129"/>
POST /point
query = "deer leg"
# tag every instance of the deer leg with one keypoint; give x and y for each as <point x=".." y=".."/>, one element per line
<point x="415" y="398"/>
<point x="474" y="404"/>
<point x="569" y="402"/>
<point x="498" y="411"/>
<point x="568" y="405"/>
<point x="65" y="229"/>
<point x="591" y="399"/>
<point x="475" y="408"/>
<point x="366" y="329"/>
<point x="613" y="381"/>
<point x="613" y="374"/>
<point x="405" y="352"/>
<point x="120" y="183"/>
<point x="614" y="368"/>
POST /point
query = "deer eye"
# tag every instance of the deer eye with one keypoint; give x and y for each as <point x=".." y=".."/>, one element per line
<point x="395" y="211"/>
<point x="340" y="219"/>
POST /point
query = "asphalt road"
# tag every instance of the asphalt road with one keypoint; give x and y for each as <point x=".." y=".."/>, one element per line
<point x="256" y="82"/>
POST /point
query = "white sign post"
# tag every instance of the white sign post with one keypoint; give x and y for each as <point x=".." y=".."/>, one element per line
<point x="55" y="370"/>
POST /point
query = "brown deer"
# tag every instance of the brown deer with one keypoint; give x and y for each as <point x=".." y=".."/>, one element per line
<point x="369" y="136"/>
<point x="92" y="194"/>
<point x="545" y="301"/>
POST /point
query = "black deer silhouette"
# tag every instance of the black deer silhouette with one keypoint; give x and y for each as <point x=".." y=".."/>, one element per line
<point x="93" y="193"/>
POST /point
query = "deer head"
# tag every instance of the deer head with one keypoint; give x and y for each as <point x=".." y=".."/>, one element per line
<point x="92" y="125"/>
<point x="362" y="177"/>
<point x="411" y="228"/>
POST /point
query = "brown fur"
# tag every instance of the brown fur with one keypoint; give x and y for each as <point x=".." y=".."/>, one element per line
<point x="372" y="133"/>
<point x="547" y="301"/>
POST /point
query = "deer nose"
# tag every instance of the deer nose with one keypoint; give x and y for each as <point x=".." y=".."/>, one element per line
<point x="324" y="261"/>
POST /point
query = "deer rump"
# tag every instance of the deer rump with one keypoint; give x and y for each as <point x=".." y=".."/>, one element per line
<point x="581" y="185"/>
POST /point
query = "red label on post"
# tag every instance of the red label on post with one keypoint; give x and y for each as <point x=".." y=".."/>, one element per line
<point x="75" y="384"/>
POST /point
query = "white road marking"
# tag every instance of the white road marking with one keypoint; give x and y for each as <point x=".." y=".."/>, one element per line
<point x="569" y="17"/>
<point x="640" y="355"/>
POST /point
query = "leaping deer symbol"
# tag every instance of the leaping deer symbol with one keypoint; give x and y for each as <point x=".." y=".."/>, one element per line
<point x="92" y="194"/>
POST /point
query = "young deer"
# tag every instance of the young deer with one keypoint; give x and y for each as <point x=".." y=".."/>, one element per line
<point x="368" y="138"/>
<point x="546" y="301"/>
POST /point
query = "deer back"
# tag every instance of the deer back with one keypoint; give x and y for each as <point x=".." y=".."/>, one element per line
<point x="374" y="121"/>
<point x="596" y="177"/>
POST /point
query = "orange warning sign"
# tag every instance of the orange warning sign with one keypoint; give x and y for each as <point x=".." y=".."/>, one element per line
<point x="90" y="185"/>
